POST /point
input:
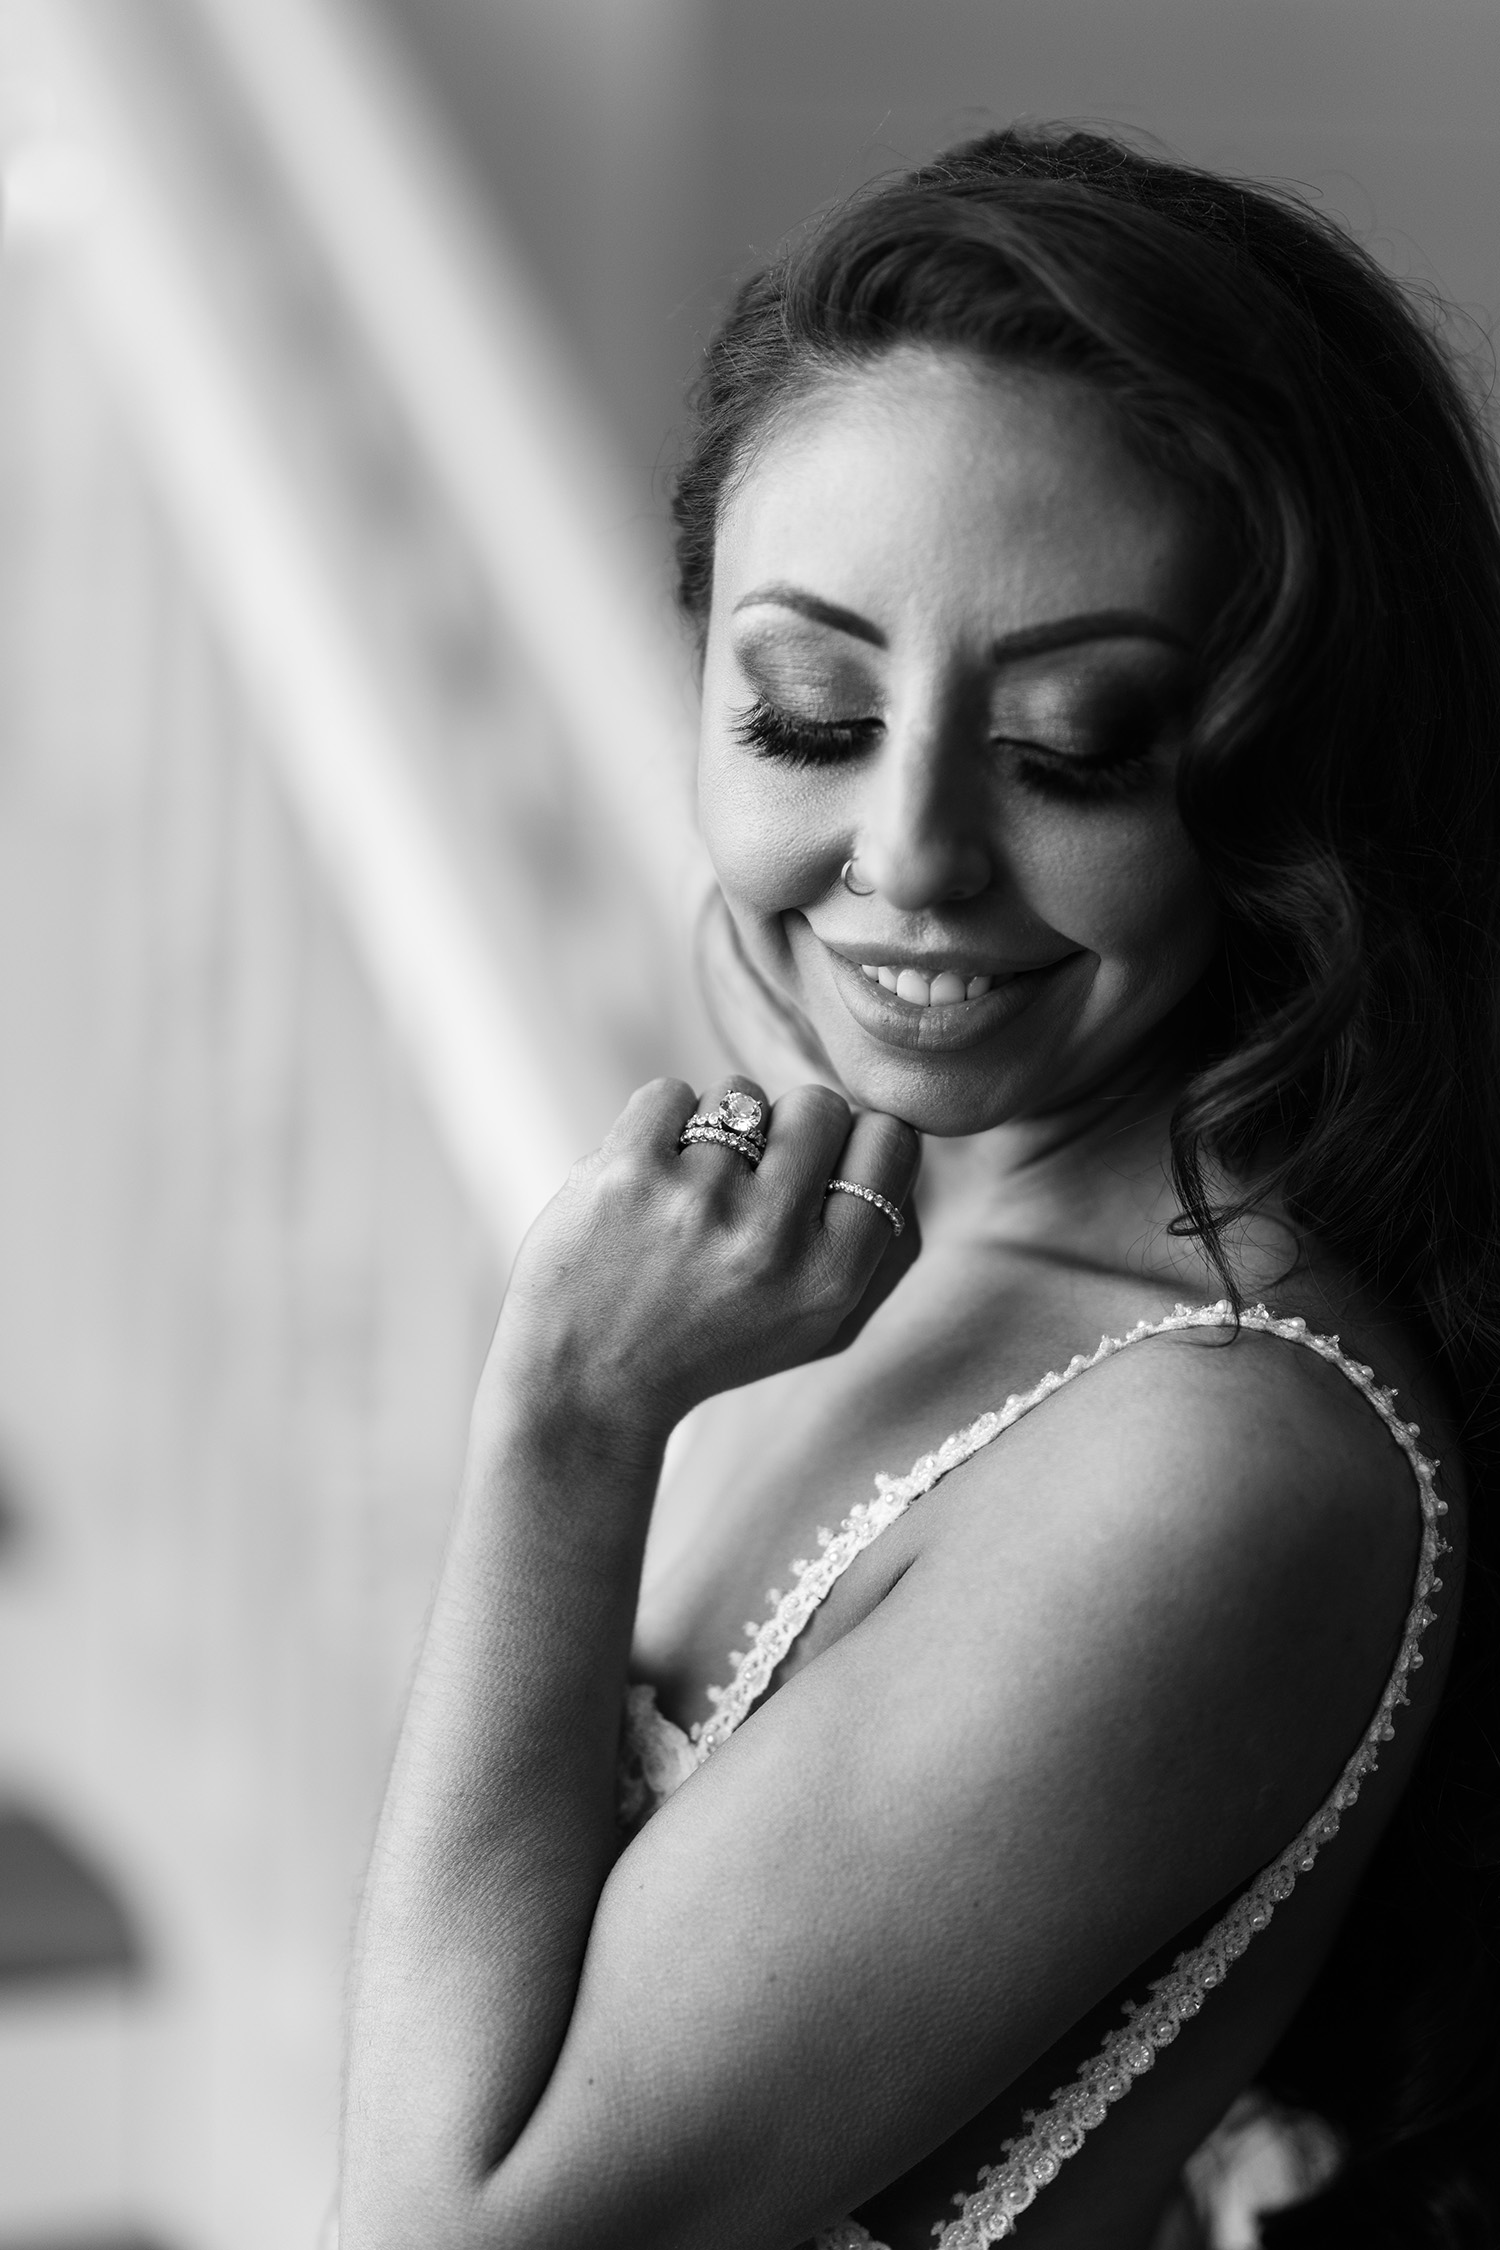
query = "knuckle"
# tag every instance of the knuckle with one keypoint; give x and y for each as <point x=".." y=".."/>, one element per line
<point x="585" y="1169"/>
<point x="630" y="1168"/>
<point x="834" y="1284"/>
<point x="647" y="1106"/>
<point x="626" y="1177"/>
<point x="759" y="1254"/>
<point x="664" y="1094"/>
<point x="820" y="1106"/>
<point x="614" y="1194"/>
<point x="896" y="1143"/>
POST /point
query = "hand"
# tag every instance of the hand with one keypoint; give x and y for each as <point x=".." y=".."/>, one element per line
<point x="659" y="1276"/>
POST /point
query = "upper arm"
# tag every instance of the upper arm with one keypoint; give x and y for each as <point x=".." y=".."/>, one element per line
<point x="1163" y="1608"/>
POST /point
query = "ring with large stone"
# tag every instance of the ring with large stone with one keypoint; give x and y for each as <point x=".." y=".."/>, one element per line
<point x="735" y="1122"/>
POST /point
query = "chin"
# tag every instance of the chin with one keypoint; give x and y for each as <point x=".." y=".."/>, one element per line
<point x="946" y="1097"/>
<point x="1023" y="1073"/>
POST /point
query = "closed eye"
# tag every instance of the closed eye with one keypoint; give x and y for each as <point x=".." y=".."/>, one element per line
<point x="1078" y="776"/>
<point x="1061" y="774"/>
<point x="774" y="733"/>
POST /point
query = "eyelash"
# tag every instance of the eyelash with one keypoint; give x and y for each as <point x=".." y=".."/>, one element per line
<point x="1090" y="779"/>
<point x="773" y="733"/>
<point x="801" y="742"/>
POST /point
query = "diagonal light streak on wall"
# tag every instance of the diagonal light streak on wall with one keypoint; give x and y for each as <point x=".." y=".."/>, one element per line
<point x="350" y="775"/>
<point x="471" y="351"/>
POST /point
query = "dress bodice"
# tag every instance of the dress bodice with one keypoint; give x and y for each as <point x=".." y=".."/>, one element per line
<point x="657" y="1758"/>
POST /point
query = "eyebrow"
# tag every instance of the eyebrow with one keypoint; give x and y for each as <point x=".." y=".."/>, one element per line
<point x="1089" y="625"/>
<point x="1027" y="640"/>
<point x="818" y="611"/>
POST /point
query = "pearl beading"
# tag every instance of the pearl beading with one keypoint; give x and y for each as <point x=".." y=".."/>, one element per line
<point x="990" y="2212"/>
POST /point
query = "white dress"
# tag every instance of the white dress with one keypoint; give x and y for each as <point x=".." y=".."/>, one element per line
<point x="657" y="1758"/>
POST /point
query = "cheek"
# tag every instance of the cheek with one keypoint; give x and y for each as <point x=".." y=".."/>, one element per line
<point x="767" y="830"/>
<point x="1127" y="884"/>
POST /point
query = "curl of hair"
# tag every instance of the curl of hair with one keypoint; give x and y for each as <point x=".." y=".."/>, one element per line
<point x="1342" y="785"/>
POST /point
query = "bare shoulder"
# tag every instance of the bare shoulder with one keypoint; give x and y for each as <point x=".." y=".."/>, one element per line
<point x="1205" y="1547"/>
<point x="1241" y="1449"/>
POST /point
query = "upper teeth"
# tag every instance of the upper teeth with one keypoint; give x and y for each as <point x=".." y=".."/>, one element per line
<point x="924" y="992"/>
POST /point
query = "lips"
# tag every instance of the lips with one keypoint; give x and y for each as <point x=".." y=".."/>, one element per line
<point x="939" y="1024"/>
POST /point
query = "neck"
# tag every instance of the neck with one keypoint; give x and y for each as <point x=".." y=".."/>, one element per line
<point x="1090" y="1184"/>
<point x="1087" y="1183"/>
<point x="1115" y="1129"/>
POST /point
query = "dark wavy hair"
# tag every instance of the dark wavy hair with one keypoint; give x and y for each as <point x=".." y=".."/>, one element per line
<point x="1342" y="785"/>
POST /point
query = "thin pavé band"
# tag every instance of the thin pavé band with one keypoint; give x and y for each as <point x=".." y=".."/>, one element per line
<point x="868" y="1195"/>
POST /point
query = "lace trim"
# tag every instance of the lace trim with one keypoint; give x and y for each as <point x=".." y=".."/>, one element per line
<point x="1057" y="2132"/>
<point x="866" y="1520"/>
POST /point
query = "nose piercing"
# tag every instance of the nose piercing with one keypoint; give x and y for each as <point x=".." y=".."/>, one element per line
<point x="855" y="890"/>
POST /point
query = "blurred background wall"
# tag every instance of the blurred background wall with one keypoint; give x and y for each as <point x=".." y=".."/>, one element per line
<point x="646" y="153"/>
<point x="345" y="862"/>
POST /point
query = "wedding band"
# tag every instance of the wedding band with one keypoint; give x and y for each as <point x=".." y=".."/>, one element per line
<point x="748" y="1145"/>
<point x="734" y="1123"/>
<point x="868" y="1195"/>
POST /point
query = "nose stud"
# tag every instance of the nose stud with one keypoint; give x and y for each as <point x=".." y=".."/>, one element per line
<point x="855" y="890"/>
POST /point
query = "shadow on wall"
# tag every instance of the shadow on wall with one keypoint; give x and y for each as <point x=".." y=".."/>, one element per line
<point x="12" y="1527"/>
<point x="60" y="1921"/>
<point x="59" y="1918"/>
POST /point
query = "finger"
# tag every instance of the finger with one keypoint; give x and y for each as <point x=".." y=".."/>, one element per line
<point x="654" y="1115"/>
<point x="892" y="1264"/>
<point x="808" y="1128"/>
<point x="881" y="1155"/>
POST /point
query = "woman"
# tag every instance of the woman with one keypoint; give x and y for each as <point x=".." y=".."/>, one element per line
<point x="1097" y="575"/>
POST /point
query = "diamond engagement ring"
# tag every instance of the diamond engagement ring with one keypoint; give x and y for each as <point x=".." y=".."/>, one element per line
<point x="868" y="1195"/>
<point x="734" y="1123"/>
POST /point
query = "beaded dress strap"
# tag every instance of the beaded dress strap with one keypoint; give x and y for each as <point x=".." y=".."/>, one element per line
<point x="990" y="2212"/>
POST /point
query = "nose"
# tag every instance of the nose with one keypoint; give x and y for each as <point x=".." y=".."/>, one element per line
<point x="923" y="835"/>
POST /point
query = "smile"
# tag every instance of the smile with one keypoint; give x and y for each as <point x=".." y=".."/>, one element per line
<point x="942" y="1006"/>
<point x="943" y="990"/>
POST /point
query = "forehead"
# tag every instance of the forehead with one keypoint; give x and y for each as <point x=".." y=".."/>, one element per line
<point x="929" y="489"/>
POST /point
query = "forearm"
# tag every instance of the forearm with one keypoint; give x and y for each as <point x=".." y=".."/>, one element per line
<point x="655" y="1278"/>
<point x="498" y="1829"/>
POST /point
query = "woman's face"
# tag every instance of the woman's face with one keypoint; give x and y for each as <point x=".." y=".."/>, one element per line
<point x="952" y="640"/>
